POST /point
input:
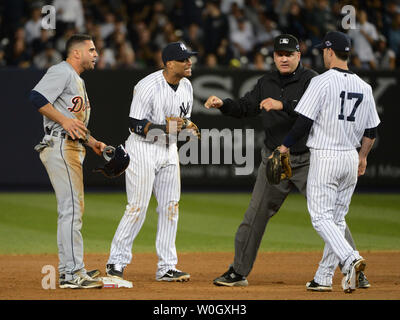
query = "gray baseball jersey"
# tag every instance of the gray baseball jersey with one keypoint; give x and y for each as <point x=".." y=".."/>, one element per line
<point x="66" y="91"/>
<point x="63" y="159"/>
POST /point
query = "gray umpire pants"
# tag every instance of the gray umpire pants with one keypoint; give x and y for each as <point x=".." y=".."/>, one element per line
<point x="265" y="202"/>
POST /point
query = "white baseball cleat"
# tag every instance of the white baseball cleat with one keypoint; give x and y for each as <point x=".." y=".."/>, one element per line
<point x="350" y="280"/>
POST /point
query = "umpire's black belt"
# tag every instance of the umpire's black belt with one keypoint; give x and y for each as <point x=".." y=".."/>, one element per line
<point x="62" y="135"/>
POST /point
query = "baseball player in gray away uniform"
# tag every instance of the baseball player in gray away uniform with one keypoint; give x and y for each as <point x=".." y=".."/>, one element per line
<point x="60" y="96"/>
<point x="154" y="162"/>
<point x="281" y="88"/>
<point x="339" y="109"/>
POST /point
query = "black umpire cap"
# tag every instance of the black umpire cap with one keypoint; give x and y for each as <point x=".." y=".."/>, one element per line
<point x="335" y="40"/>
<point x="286" y="42"/>
<point x="176" y="51"/>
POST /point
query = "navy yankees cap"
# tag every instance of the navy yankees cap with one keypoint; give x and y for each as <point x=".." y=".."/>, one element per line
<point x="286" y="42"/>
<point x="335" y="40"/>
<point x="176" y="51"/>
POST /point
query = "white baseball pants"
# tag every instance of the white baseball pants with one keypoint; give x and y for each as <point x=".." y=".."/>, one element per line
<point x="331" y="182"/>
<point x="153" y="168"/>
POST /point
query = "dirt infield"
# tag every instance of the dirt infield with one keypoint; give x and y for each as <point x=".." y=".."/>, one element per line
<point x="276" y="276"/>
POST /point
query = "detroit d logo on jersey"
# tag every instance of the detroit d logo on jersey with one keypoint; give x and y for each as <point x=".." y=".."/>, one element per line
<point x="78" y="105"/>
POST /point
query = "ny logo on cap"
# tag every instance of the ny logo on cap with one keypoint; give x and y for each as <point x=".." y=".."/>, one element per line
<point x="328" y="43"/>
<point x="284" y="41"/>
<point x="183" y="47"/>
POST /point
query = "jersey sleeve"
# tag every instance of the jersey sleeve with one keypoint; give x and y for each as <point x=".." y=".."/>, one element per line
<point x="142" y="102"/>
<point x="53" y="83"/>
<point x="373" y="118"/>
<point x="309" y="103"/>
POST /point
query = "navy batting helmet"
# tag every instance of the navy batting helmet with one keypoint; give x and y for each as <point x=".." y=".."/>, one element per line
<point x="117" y="161"/>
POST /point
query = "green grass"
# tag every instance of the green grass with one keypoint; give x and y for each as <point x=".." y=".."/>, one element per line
<point x="207" y="222"/>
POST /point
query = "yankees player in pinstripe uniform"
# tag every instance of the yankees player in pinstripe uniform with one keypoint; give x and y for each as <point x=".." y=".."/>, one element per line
<point x="339" y="110"/>
<point x="282" y="87"/>
<point x="60" y="96"/>
<point x="154" y="164"/>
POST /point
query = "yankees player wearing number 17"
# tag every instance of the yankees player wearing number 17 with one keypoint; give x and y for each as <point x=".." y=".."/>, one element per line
<point x="154" y="162"/>
<point x="338" y="110"/>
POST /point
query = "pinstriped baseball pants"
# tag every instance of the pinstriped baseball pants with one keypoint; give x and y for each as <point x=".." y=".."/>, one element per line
<point x="265" y="202"/>
<point x="153" y="168"/>
<point x="332" y="179"/>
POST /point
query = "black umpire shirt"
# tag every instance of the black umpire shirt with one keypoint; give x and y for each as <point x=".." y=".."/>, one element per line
<point x="286" y="88"/>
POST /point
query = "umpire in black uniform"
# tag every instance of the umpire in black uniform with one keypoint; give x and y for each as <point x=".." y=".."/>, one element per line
<point x="284" y="86"/>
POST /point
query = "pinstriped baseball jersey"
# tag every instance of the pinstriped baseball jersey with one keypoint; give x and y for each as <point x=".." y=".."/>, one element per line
<point x="154" y="100"/>
<point x="153" y="169"/>
<point x="342" y="107"/>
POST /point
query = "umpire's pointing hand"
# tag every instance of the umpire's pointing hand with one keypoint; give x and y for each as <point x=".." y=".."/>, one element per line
<point x="213" y="102"/>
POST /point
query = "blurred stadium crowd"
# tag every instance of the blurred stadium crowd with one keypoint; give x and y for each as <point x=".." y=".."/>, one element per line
<point x="226" y="33"/>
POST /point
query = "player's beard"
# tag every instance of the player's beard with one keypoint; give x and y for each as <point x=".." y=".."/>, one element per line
<point x="89" y="65"/>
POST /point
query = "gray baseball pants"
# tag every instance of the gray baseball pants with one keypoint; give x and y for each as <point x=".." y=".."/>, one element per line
<point x="63" y="161"/>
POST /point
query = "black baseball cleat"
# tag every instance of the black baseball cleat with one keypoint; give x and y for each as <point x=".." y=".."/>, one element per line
<point x="314" y="286"/>
<point x="231" y="279"/>
<point x="93" y="273"/>
<point x="174" y="276"/>
<point x="363" y="282"/>
<point x="113" y="270"/>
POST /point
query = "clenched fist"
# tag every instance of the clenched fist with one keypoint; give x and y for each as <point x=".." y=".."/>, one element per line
<point x="213" y="102"/>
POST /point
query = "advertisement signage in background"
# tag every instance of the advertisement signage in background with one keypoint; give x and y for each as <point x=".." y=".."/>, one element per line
<point x="227" y="156"/>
